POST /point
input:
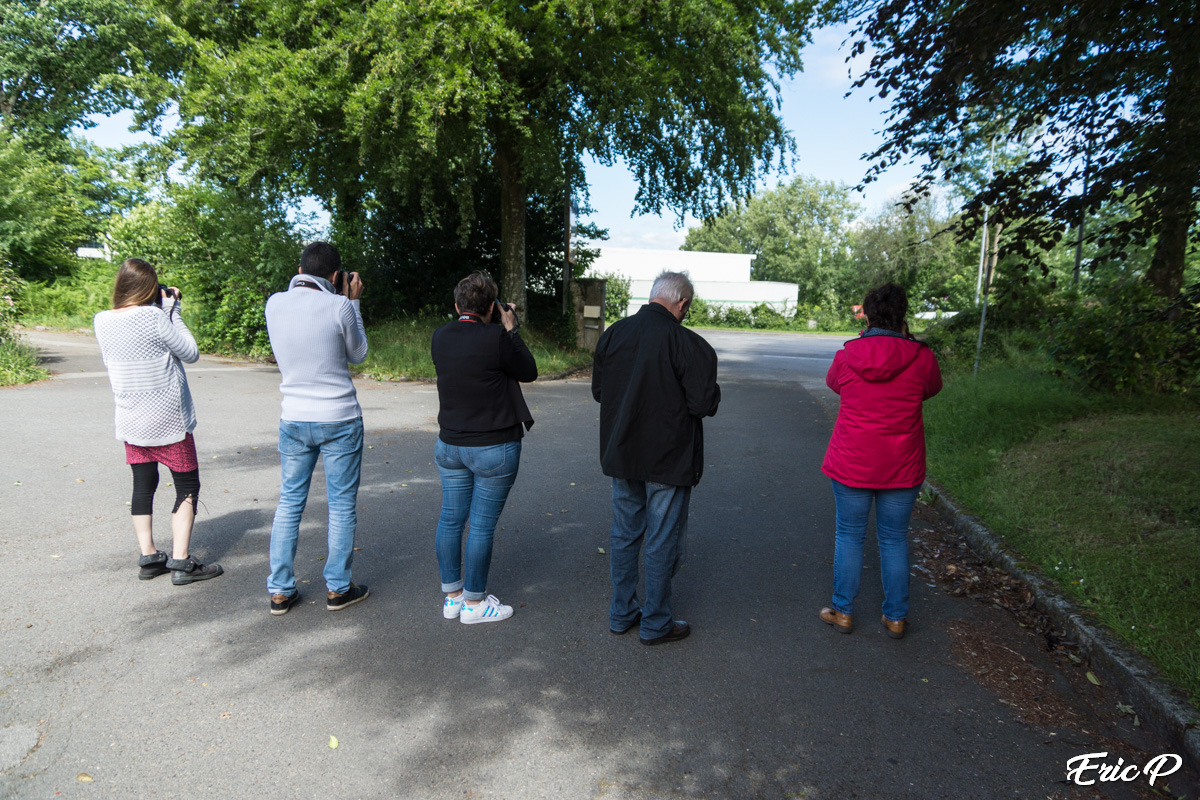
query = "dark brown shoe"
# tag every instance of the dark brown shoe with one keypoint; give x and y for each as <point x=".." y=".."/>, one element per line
<point x="895" y="628"/>
<point x="678" y="630"/>
<point x="842" y="623"/>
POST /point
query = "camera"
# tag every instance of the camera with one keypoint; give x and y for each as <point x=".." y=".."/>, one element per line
<point x="341" y="281"/>
<point x="173" y="293"/>
<point x="501" y="307"/>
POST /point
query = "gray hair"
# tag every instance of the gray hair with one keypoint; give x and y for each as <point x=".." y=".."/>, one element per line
<point x="672" y="287"/>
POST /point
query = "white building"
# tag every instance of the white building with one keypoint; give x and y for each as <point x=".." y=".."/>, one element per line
<point x="721" y="279"/>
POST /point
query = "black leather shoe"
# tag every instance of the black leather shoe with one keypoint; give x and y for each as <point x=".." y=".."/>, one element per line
<point x="679" y="630"/>
<point x="632" y="624"/>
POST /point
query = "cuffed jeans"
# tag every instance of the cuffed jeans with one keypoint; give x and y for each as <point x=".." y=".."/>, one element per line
<point x="340" y="445"/>
<point x="656" y="514"/>
<point x="893" y="509"/>
<point x="475" y="486"/>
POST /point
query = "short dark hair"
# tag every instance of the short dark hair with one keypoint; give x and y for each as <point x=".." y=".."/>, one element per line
<point x="320" y="259"/>
<point x="136" y="284"/>
<point x="476" y="293"/>
<point x="887" y="307"/>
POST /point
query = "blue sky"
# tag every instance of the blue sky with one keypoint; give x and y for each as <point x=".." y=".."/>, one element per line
<point x="831" y="131"/>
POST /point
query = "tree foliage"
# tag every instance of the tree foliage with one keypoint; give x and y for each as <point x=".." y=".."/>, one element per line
<point x="1103" y="85"/>
<point x="62" y="60"/>
<point x="799" y="232"/>
<point x="413" y="99"/>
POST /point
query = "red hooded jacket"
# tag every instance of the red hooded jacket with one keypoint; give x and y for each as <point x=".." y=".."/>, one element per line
<point x="878" y="440"/>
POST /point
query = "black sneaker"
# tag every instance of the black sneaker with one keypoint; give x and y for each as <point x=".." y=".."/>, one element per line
<point x="189" y="570"/>
<point x="152" y="566"/>
<point x="280" y="603"/>
<point x="336" y="602"/>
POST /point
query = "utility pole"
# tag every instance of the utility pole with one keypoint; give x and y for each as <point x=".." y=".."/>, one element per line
<point x="983" y="242"/>
<point x="566" y="246"/>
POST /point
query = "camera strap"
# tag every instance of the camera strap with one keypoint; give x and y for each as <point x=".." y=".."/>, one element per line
<point x="467" y="316"/>
<point x="308" y="285"/>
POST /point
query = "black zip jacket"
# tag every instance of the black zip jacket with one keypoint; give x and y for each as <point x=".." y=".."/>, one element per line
<point x="655" y="380"/>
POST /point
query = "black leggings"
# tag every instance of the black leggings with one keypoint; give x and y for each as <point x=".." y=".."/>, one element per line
<point x="145" y="481"/>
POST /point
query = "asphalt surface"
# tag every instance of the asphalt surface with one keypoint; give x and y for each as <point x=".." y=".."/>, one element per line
<point x="114" y="687"/>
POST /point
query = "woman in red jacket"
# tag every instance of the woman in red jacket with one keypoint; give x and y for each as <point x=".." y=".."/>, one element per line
<point x="877" y="452"/>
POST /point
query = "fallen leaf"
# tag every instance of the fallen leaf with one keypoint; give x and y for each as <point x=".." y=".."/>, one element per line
<point x="320" y="558"/>
<point x="572" y="483"/>
<point x="600" y="550"/>
<point x="83" y="777"/>
<point x="253" y="448"/>
<point x="924" y="680"/>
<point x="1091" y="676"/>
<point x="357" y="549"/>
<point x="225" y="715"/>
<point x="16" y="483"/>
<point x="333" y="743"/>
<point x="79" y="480"/>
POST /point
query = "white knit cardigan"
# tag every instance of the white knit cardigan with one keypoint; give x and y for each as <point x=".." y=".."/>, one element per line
<point x="142" y="348"/>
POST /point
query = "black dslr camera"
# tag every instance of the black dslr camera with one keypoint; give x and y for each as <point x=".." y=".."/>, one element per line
<point x="341" y="281"/>
<point x="174" y="293"/>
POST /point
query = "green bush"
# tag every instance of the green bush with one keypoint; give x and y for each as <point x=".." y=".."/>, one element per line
<point x="616" y="297"/>
<point x="1129" y="340"/>
<point x="11" y="289"/>
<point x="73" y="299"/>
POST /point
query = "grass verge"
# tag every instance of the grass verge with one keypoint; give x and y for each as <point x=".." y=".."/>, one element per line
<point x="1099" y="492"/>
<point x="19" y="364"/>
<point x="400" y="349"/>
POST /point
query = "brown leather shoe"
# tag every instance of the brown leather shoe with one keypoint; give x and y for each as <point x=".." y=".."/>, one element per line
<point x="842" y="623"/>
<point x="895" y="628"/>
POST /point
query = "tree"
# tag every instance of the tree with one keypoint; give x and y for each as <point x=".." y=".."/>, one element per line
<point x="62" y="60"/>
<point x="798" y="231"/>
<point x="1104" y="83"/>
<point x="415" y="97"/>
<point x="45" y="211"/>
<point x="915" y="248"/>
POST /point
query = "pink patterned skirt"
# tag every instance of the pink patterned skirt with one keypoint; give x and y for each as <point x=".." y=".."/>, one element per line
<point x="177" y="457"/>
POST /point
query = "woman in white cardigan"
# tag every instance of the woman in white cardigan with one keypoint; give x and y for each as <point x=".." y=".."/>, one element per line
<point x="144" y="341"/>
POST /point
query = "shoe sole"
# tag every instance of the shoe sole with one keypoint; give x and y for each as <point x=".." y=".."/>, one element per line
<point x="892" y="633"/>
<point x="626" y="629"/>
<point x="665" y="639"/>
<point x="466" y="621"/>
<point x="144" y="576"/>
<point x="349" y="603"/>
<point x="194" y="578"/>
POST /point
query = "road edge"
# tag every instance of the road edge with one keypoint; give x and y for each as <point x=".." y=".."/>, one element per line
<point x="1156" y="701"/>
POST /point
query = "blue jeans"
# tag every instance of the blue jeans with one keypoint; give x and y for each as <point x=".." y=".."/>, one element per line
<point x="340" y="445"/>
<point x="893" y="508"/>
<point x="475" y="485"/>
<point x="657" y="515"/>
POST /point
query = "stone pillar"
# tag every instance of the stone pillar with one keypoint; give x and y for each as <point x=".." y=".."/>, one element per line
<point x="587" y="297"/>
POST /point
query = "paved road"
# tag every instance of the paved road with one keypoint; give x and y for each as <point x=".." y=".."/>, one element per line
<point x="153" y="690"/>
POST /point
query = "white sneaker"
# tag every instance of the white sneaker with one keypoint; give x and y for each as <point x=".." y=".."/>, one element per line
<point x="452" y="607"/>
<point x="490" y="610"/>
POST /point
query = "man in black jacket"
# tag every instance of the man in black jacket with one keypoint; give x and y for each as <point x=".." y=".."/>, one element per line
<point x="655" y="380"/>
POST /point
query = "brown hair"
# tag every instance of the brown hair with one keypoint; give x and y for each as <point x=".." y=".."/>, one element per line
<point x="136" y="284"/>
<point x="476" y="293"/>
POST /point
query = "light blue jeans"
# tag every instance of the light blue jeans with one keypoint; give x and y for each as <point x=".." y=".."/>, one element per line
<point x="475" y="486"/>
<point x="893" y="509"/>
<point x="654" y="515"/>
<point x="340" y="445"/>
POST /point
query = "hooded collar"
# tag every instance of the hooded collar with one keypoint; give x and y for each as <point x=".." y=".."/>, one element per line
<point x="321" y="283"/>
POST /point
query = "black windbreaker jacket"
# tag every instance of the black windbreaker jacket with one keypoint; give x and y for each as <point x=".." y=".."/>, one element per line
<point x="655" y="380"/>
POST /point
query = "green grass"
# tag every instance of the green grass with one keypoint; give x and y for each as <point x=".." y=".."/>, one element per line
<point x="400" y="349"/>
<point x="1099" y="492"/>
<point x="19" y="364"/>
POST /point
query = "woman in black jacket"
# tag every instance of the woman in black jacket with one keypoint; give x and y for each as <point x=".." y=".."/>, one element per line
<point x="482" y="415"/>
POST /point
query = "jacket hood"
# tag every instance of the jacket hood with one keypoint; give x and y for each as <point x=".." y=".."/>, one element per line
<point x="880" y="358"/>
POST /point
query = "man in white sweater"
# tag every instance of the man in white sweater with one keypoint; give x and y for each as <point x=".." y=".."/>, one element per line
<point x="316" y="332"/>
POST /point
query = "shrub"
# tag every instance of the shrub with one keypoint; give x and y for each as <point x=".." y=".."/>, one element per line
<point x="616" y="297"/>
<point x="11" y="289"/>
<point x="1128" y="340"/>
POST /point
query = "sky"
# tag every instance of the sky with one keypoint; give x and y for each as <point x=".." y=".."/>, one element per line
<point x="832" y="132"/>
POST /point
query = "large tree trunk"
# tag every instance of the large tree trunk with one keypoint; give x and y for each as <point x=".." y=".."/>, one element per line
<point x="1176" y="172"/>
<point x="512" y="226"/>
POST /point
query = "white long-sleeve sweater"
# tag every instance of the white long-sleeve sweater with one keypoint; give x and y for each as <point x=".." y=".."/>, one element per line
<point x="315" y="334"/>
<point x="142" y="349"/>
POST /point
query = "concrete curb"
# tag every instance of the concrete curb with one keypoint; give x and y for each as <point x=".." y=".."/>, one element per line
<point x="1162" y="707"/>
